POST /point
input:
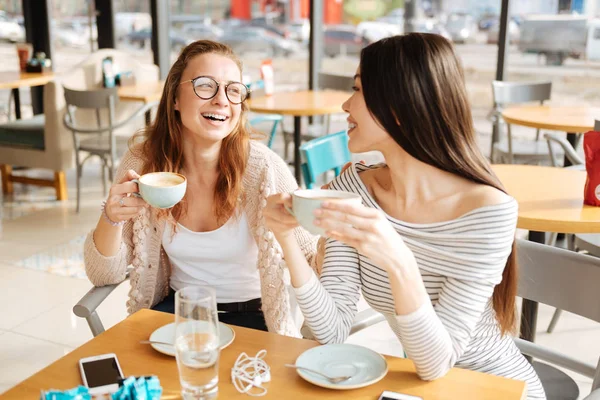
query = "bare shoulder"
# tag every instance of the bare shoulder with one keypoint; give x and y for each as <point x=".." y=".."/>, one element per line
<point x="372" y="176"/>
<point x="484" y="195"/>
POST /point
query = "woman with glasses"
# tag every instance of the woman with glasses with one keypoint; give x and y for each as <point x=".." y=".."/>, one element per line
<point x="216" y="235"/>
<point x="431" y="247"/>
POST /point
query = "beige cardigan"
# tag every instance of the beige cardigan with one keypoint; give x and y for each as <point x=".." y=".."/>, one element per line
<point x="266" y="174"/>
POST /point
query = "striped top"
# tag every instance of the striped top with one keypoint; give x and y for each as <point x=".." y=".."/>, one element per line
<point x="461" y="261"/>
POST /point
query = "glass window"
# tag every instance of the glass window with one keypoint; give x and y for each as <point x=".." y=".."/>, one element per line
<point x="74" y="33"/>
<point x="133" y="27"/>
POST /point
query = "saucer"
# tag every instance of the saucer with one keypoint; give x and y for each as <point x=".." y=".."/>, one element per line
<point x="364" y="365"/>
<point x="166" y="334"/>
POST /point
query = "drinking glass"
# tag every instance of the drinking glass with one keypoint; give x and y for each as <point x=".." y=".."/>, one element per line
<point x="197" y="342"/>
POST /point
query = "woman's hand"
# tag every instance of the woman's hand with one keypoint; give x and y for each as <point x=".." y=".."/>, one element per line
<point x="367" y="230"/>
<point x="277" y="218"/>
<point x="121" y="205"/>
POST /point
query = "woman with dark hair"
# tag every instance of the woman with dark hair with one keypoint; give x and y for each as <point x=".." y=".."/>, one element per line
<point x="216" y="235"/>
<point x="432" y="246"/>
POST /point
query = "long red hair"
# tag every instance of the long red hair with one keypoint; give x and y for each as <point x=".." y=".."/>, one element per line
<point x="161" y="145"/>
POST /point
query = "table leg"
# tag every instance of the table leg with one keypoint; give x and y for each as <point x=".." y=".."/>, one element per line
<point x="17" y="100"/>
<point x="572" y="138"/>
<point x="297" y="139"/>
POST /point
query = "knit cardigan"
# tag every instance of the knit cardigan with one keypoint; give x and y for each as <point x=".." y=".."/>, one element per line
<point x="266" y="173"/>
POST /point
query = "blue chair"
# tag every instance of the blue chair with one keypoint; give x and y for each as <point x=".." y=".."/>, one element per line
<point x="275" y="118"/>
<point x="329" y="152"/>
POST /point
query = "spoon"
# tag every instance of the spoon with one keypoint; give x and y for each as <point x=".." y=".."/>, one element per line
<point x="336" y="379"/>
<point x="155" y="342"/>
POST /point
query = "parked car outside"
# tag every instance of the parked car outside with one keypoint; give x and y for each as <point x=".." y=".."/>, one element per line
<point x="376" y="30"/>
<point x="197" y="31"/>
<point x="342" y="40"/>
<point x="143" y="36"/>
<point x="462" y="27"/>
<point x="299" y="31"/>
<point x="10" y="29"/>
<point x="245" y="39"/>
<point x="514" y="32"/>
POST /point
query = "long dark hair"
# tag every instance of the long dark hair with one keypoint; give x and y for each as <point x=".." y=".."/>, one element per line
<point x="162" y="148"/>
<point x="414" y="87"/>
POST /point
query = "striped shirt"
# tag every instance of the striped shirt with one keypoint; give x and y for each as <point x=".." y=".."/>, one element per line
<point x="461" y="261"/>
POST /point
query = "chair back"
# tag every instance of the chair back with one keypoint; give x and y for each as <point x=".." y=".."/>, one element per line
<point x="99" y="100"/>
<point x="566" y="280"/>
<point x="324" y="154"/>
<point x="560" y="278"/>
<point x="520" y="92"/>
<point x="274" y="118"/>
<point x="335" y="82"/>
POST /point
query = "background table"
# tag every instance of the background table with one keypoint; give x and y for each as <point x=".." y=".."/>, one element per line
<point x="550" y="200"/>
<point x="14" y="80"/>
<point x="305" y="103"/>
<point x="139" y="359"/>
<point x="146" y="92"/>
<point x="573" y="120"/>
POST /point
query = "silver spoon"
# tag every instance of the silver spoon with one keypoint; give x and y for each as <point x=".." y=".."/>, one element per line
<point x="336" y="379"/>
<point x="155" y="342"/>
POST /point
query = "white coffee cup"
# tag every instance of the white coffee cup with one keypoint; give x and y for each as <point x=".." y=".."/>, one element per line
<point x="161" y="189"/>
<point x="305" y="202"/>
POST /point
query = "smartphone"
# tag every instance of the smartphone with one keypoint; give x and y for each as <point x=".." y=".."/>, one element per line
<point x="387" y="395"/>
<point x="101" y="374"/>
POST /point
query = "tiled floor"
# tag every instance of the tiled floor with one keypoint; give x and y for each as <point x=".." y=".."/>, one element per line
<point x="40" y="281"/>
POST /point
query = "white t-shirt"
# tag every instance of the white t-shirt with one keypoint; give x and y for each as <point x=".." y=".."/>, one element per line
<point x="225" y="259"/>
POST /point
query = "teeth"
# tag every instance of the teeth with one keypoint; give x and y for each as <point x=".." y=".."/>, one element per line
<point x="351" y="125"/>
<point x="215" y="116"/>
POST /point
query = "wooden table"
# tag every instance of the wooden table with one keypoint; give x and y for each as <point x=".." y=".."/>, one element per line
<point x="14" y="80"/>
<point x="138" y="359"/>
<point x="304" y="103"/>
<point x="573" y="120"/>
<point x="146" y="92"/>
<point x="550" y="200"/>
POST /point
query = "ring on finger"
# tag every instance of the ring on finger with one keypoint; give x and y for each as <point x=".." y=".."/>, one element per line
<point x="122" y="202"/>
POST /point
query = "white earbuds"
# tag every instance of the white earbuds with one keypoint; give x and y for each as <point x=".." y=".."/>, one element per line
<point x="251" y="372"/>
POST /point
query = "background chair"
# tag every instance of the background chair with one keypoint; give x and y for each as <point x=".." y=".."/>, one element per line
<point x="38" y="142"/>
<point x="275" y="119"/>
<point x="589" y="242"/>
<point x="509" y="93"/>
<point x="100" y="141"/>
<point x="87" y="75"/>
<point x="568" y="281"/>
<point x="324" y="154"/>
<point x="257" y="89"/>
<point x="316" y="129"/>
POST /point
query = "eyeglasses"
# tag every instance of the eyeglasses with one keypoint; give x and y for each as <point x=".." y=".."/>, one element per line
<point x="206" y="88"/>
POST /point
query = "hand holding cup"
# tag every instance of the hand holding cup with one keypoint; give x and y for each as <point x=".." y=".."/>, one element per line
<point x="121" y="204"/>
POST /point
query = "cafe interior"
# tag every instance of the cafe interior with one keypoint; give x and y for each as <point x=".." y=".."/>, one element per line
<point x="82" y="79"/>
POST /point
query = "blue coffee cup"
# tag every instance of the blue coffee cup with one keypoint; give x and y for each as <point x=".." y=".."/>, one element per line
<point x="161" y="189"/>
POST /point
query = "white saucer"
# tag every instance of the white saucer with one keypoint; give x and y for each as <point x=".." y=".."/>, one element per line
<point x="364" y="365"/>
<point x="166" y="334"/>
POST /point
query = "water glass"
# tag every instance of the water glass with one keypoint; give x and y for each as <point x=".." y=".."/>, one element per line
<point x="197" y="342"/>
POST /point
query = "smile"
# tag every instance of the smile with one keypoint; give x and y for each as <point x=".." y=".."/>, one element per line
<point x="215" y="117"/>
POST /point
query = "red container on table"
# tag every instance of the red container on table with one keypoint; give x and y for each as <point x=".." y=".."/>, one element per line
<point x="591" y="148"/>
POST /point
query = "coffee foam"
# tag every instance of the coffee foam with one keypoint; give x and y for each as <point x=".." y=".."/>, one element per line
<point x="162" y="179"/>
